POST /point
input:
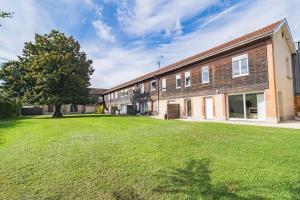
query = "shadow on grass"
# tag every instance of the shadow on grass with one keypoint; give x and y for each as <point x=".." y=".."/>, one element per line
<point x="42" y="117"/>
<point x="194" y="180"/>
<point x="126" y="193"/>
<point x="82" y="116"/>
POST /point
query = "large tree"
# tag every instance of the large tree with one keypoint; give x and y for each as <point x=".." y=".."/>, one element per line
<point x="51" y="70"/>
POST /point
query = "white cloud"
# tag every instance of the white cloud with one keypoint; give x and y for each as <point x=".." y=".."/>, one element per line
<point x="115" y="63"/>
<point x="154" y="16"/>
<point x="104" y="31"/>
<point x="233" y="22"/>
<point x="28" y="19"/>
<point x="98" y="8"/>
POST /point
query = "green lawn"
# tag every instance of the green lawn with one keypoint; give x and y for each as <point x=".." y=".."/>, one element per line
<point x="102" y="157"/>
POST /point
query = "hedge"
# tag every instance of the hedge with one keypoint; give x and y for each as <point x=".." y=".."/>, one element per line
<point x="9" y="110"/>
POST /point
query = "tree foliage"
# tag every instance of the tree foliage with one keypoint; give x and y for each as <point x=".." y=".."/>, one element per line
<point x="5" y="14"/>
<point x="52" y="70"/>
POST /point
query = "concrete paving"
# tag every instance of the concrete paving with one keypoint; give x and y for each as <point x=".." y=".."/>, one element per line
<point x="286" y="124"/>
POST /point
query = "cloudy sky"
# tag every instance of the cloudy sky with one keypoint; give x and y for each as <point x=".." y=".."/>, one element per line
<point x="125" y="38"/>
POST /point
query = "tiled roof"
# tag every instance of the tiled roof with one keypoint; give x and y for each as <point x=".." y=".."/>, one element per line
<point x="263" y="32"/>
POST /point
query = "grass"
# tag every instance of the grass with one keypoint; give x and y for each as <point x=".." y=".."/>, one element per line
<point x="102" y="157"/>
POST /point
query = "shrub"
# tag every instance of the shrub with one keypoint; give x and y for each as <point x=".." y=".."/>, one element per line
<point x="9" y="109"/>
<point x="100" y="109"/>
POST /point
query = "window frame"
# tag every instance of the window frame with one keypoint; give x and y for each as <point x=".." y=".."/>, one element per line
<point x="142" y="88"/>
<point x="202" y="72"/>
<point x="185" y="76"/>
<point x="178" y="75"/>
<point x="163" y="83"/>
<point x="244" y="105"/>
<point x="239" y="59"/>
<point x="151" y="86"/>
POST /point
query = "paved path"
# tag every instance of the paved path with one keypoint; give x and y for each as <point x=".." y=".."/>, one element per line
<point x="285" y="124"/>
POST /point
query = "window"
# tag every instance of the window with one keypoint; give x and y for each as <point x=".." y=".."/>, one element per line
<point x="247" y="106"/>
<point x="141" y="87"/>
<point x="100" y="99"/>
<point x="112" y="96"/>
<point x="205" y="75"/>
<point x="178" y="81"/>
<point x="116" y="95"/>
<point x="187" y="79"/>
<point x="236" y="106"/>
<point x="240" y="66"/>
<point x="164" y="84"/>
<point x="288" y="69"/>
<point x="126" y="93"/>
<point x="153" y="85"/>
<point x="122" y="93"/>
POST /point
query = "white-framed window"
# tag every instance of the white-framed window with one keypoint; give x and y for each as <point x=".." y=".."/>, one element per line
<point x="187" y="79"/>
<point x="153" y="85"/>
<point x="240" y="66"/>
<point x="178" y="81"/>
<point x="205" y="74"/>
<point x="164" y="84"/>
<point x="112" y="96"/>
<point x="250" y="106"/>
<point x="142" y="88"/>
<point x="126" y="92"/>
<point x="116" y="95"/>
<point x="122" y="93"/>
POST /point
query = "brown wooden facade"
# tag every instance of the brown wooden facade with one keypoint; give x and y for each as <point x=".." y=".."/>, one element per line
<point x="220" y="73"/>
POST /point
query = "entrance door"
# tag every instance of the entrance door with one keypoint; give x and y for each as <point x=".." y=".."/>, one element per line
<point x="261" y="108"/>
<point x="188" y="108"/>
<point x="209" y="108"/>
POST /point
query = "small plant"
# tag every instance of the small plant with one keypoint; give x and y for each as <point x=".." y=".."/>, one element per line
<point x="100" y="109"/>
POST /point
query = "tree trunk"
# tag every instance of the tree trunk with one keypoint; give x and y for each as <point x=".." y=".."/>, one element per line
<point x="57" y="112"/>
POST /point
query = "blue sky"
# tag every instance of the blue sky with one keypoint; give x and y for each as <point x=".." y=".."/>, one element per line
<point x="125" y="38"/>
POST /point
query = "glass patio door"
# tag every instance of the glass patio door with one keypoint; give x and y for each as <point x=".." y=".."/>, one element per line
<point x="247" y="106"/>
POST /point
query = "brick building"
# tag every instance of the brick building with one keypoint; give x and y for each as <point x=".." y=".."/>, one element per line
<point x="248" y="78"/>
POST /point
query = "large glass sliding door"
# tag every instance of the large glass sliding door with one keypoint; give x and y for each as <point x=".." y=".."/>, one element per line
<point x="236" y="106"/>
<point x="247" y="106"/>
